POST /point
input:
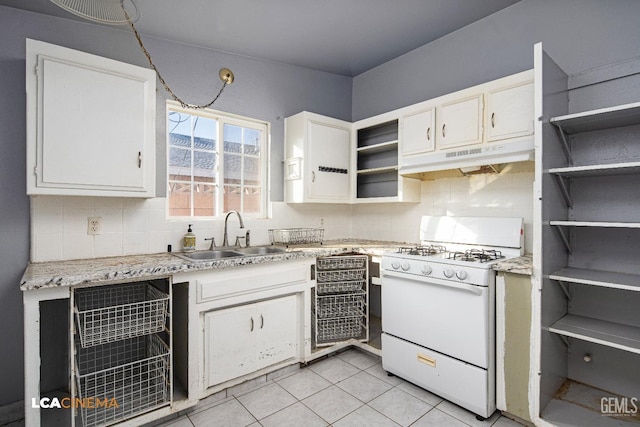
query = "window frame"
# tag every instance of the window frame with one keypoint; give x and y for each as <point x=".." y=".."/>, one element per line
<point x="222" y="119"/>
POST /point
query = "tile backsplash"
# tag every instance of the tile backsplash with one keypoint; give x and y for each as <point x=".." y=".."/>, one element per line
<point x="139" y="226"/>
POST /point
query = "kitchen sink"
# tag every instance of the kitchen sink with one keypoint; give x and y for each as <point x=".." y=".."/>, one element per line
<point x="229" y="253"/>
<point x="260" y="250"/>
<point x="207" y="255"/>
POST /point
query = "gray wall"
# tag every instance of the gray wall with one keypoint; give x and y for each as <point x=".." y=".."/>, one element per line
<point x="578" y="34"/>
<point x="263" y="90"/>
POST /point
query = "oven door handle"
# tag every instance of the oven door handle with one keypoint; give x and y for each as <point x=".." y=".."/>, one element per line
<point x="476" y="290"/>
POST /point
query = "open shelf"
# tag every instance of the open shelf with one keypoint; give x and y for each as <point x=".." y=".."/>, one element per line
<point x="379" y="148"/>
<point x="377" y="170"/>
<point x="605" y="279"/>
<point x="610" y="334"/>
<point x="598" y="170"/>
<point x="604" y="118"/>
<point x="601" y="224"/>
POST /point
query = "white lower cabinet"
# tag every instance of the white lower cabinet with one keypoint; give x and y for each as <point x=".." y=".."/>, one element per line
<point x="244" y="339"/>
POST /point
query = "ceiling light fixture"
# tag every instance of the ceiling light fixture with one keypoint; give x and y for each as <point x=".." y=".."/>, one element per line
<point x="113" y="12"/>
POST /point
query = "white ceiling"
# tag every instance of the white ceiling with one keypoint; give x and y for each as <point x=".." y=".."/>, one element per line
<point x="346" y="37"/>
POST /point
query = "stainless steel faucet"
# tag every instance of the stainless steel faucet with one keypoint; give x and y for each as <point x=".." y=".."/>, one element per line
<point x="225" y="239"/>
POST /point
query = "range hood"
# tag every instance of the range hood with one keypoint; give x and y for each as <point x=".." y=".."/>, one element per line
<point x="520" y="150"/>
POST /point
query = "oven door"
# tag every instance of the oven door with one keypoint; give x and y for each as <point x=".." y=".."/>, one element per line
<point x="449" y="317"/>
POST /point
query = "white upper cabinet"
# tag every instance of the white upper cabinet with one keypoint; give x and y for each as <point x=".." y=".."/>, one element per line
<point x="317" y="159"/>
<point x="460" y="122"/>
<point x="509" y="112"/>
<point x="417" y="131"/>
<point x="90" y="124"/>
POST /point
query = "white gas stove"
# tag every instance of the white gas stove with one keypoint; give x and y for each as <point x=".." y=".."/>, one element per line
<point x="438" y="307"/>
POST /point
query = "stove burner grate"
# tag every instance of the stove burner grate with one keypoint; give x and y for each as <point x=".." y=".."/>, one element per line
<point x="422" y="250"/>
<point x="476" y="255"/>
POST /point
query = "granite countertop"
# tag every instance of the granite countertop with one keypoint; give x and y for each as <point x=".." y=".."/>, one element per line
<point x="521" y="265"/>
<point x="120" y="269"/>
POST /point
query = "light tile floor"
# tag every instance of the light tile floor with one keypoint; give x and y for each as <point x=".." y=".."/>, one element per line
<point x="346" y="389"/>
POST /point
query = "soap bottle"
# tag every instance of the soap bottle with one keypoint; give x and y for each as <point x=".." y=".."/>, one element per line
<point x="189" y="241"/>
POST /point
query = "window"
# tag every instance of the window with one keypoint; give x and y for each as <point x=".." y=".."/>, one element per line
<point x="206" y="178"/>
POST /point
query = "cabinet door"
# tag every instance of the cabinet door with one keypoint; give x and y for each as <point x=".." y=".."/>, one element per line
<point x="417" y="132"/>
<point x="277" y="328"/>
<point x="91" y="124"/>
<point x="328" y="161"/>
<point x="244" y="339"/>
<point x="460" y="123"/>
<point x="229" y="344"/>
<point x="510" y="112"/>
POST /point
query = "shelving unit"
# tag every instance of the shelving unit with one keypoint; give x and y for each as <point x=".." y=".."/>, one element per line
<point x="587" y="171"/>
<point x="340" y="302"/>
<point x="122" y="350"/>
<point x="377" y="161"/>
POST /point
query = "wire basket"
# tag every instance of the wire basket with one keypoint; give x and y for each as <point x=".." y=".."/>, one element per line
<point x="341" y="275"/>
<point x="121" y="379"/>
<point x="340" y="287"/>
<point x="111" y="313"/>
<point x="295" y="236"/>
<point x="342" y="262"/>
<point x="329" y="330"/>
<point x="341" y="305"/>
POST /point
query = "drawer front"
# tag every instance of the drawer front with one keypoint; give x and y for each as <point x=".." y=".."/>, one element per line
<point x="247" y="279"/>
<point x="459" y="382"/>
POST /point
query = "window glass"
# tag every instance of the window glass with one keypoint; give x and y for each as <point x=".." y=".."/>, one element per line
<point x="197" y="164"/>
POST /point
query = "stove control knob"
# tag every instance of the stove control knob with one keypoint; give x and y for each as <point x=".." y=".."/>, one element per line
<point x="426" y="269"/>
<point x="448" y="273"/>
<point x="461" y="274"/>
<point x="405" y="266"/>
<point x="395" y="265"/>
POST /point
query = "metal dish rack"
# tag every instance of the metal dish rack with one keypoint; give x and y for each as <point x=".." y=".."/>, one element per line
<point x="340" y="301"/>
<point x="120" y="354"/>
<point x="295" y="236"/>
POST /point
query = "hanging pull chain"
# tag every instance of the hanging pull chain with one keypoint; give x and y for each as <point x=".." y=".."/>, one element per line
<point x="225" y="75"/>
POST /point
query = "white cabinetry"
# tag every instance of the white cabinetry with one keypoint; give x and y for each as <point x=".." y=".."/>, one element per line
<point x="509" y="112"/>
<point x="317" y="159"/>
<point x="587" y="236"/>
<point x="460" y="122"/>
<point x="241" y="340"/>
<point x="243" y="322"/>
<point x="417" y="131"/>
<point x="90" y="124"/>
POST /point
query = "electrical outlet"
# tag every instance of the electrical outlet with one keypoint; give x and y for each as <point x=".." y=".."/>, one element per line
<point x="94" y="225"/>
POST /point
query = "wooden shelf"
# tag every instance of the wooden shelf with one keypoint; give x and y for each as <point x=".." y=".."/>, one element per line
<point x="598" y="170"/>
<point x="604" y="118"/>
<point x="377" y="170"/>
<point x="600" y="224"/>
<point x="605" y="279"/>
<point x="378" y="148"/>
<point x="616" y="335"/>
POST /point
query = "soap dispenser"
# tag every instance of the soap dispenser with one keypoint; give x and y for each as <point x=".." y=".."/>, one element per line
<point x="189" y="241"/>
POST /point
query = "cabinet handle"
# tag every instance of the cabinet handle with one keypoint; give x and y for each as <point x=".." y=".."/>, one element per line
<point x="261" y="321"/>
<point x="443" y="134"/>
<point x="313" y="176"/>
<point x="493" y="120"/>
<point x="251" y="323"/>
<point x="428" y="134"/>
<point x="426" y="360"/>
<point x="139" y="159"/>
